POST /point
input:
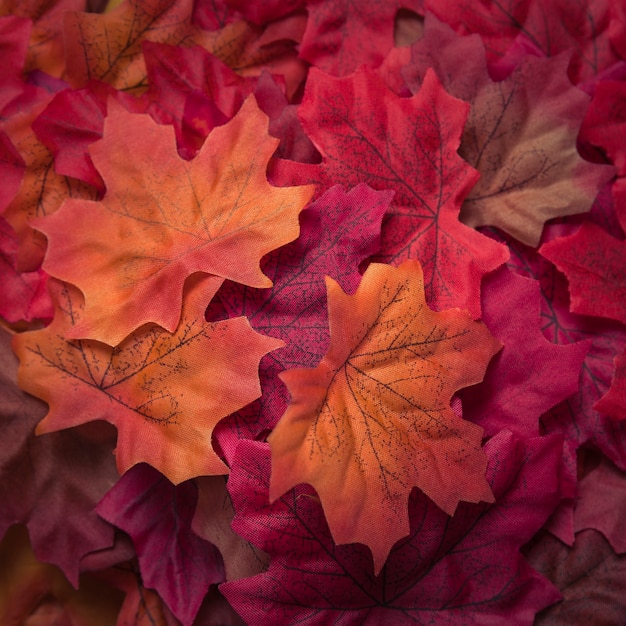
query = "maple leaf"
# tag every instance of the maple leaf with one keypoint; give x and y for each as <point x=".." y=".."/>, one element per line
<point x="553" y="27"/>
<point x="41" y="191"/>
<point x="365" y="133"/>
<point x="166" y="218"/>
<point x="37" y="474"/>
<point x="595" y="265"/>
<point x="341" y="35"/>
<point x="157" y="515"/>
<point x="164" y="392"/>
<point x="373" y="419"/>
<point x="590" y="577"/>
<point x="45" y="44"/>
<point x="520" y="134"/>
<point x="463" y="569"/>
<point x="338" y="232"/>
<point x="530" y="375"/>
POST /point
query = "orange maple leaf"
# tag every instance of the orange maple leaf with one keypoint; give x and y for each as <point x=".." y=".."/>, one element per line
<point x="373" y="419"/>
<point x="163" y="392"/>
<point x="42" y="190"/>
<point x="163" y="218"/>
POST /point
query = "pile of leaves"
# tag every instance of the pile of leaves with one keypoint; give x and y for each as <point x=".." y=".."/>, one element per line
<point x="313" y="311"/>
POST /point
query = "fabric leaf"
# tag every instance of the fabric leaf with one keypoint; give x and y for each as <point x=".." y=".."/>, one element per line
<point x="450" y="570"/>
<point x="531" y="374"/>
<point x="580" y="28"/>
<point x="520" y="134"/>
<point x="595" y="265"/>
<point x="365" y="133"/>
<point x="163" y="392"/>
<point x="163" y="218"/>
<point x="157" y="515"/>
<point x="373" y="419"/>
<point x="613" y="402"/>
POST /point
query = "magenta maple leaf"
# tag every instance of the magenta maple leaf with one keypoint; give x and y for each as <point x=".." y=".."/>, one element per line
<point x="365" y="133"/>
<point x="337" y="232"/>
<point x="173" y="559"/>
<point x="341" y="35"/>
<point x="449" y="570"/>
<point x="530" y="375"/>
<point x="550" y="27"/>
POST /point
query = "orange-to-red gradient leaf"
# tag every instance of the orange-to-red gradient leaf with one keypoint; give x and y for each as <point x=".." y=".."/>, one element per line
<point x="163" y="392"/>
<point x="163" y="218"/>
<point x="373" y="419"/>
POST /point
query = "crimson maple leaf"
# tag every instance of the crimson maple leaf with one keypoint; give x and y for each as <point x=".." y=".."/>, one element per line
<point x="520" y="134"/>
<point x="365" y="133"/>
<point x="449" y="570"/>
<point x="157" y="515"/>
<point x="595" y="265"/>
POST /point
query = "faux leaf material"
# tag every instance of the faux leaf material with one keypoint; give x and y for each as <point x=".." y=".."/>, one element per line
<point x="163" y="392"/>
<point x="373" y="419"/>
<point x="166" y="218"/>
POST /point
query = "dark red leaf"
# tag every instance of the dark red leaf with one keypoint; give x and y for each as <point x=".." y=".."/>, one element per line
<point x="460" y="569"/>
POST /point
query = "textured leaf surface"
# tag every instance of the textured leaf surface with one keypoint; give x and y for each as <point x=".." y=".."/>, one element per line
<point x="613" y="403"/>
<point x="520" y="134"/>
<point x="581" y="28"/>
<point x="365" y="133"/>
<point x="373" y="419"/>
<point x="341" y="35"/>
<point x="38" y="473"/>
<point x="338" y="232"/>
<point x="530" y="375"/>
<point x="595" y="265"/>
<point x="164" y="218"/>
<point x="163" y="392"/>
<point x="466" y="568"/>
<point x="173" y="559"/>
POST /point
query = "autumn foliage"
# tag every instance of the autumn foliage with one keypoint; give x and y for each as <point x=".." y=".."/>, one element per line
<point x="312" y="312"/>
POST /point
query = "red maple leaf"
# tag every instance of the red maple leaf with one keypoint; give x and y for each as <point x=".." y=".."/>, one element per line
<point x="341" y="35"/>
<point x="530" y="375"/>
<point x="365" y="133"/>
<point x="581" y="28"/>
<point x="595" y="265"/>
<point x="174" y="561"/>
<point x="216" y="214"/>
<point x="520" y="134"/>
<point x="613" y="402"/>
<point x="449" y="570"/>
